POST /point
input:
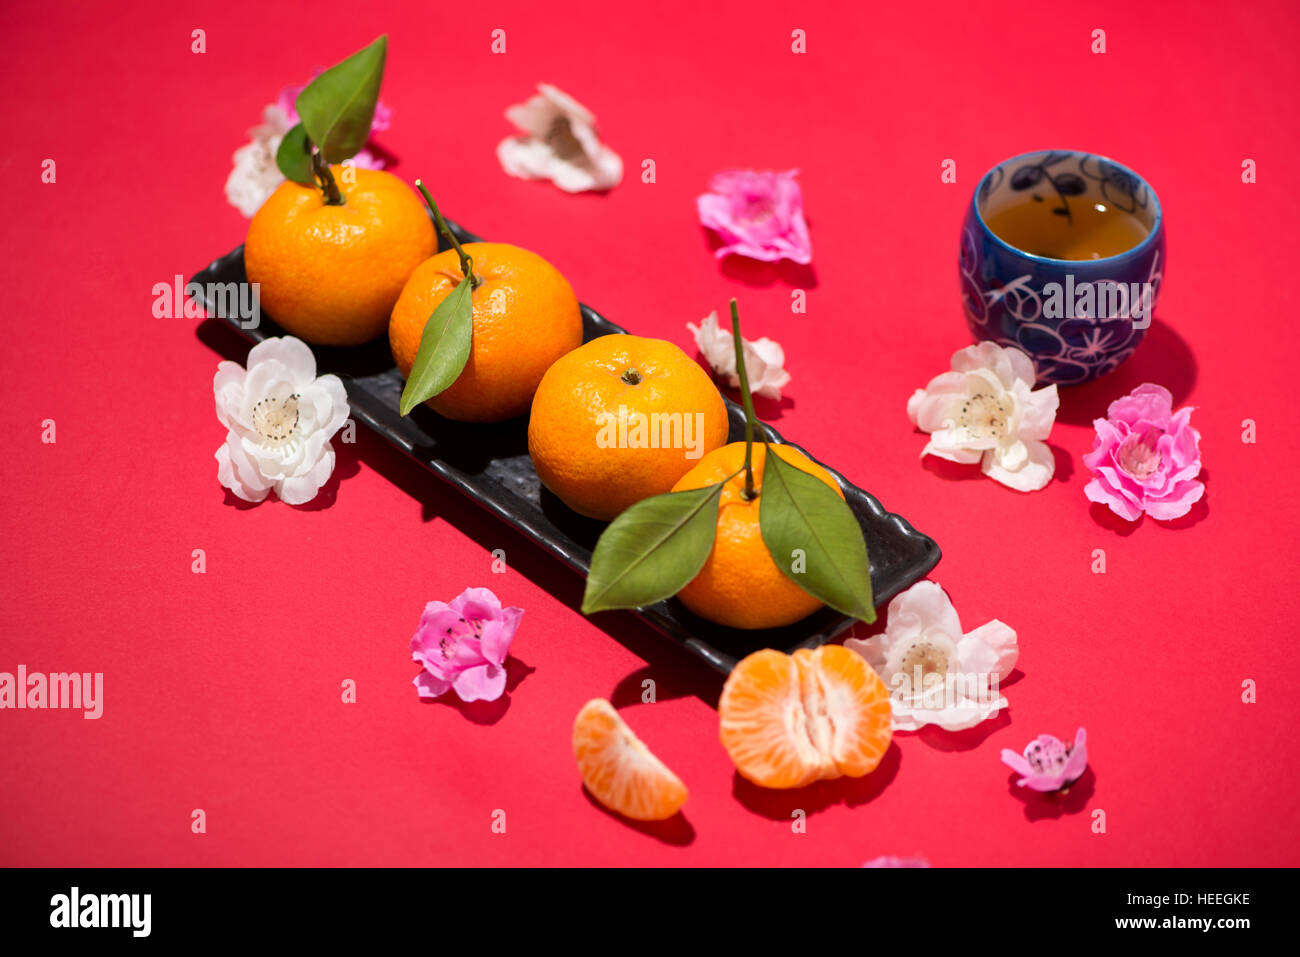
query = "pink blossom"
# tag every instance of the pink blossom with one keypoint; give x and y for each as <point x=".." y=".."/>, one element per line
<point x="463" y="646"/>
<point x="288" y="100"/>
<point x="757" y="214"/>
<point x="897" y="862"/>
<point x="1048" y="764"/>
<point x="1145" y="457"/>
<point x="383" y="118"/>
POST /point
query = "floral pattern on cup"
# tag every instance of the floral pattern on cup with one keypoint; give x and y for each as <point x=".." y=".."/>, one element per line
<point x="1005" y="290"/>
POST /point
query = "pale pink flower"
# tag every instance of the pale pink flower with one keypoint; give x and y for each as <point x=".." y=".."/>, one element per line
<point x="279" y="418"/>
<point x="936" y="673"/>
<point x="764" y="358"/>
<point x="987" y="410"/>
<point x="1048" y="764"/>
<point x="1145" y="457"/>
<point x="463" y="646"/>
<point x="557" y="141"/>
<point x="757" y="214"/>
<point x="897" y="862"/>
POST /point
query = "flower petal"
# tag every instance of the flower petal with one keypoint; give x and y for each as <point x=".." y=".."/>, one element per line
<point x="292" y="353"/>
<point x="483" y="683"/>
<point x="237" y="473"/>
<point x="1030" y="477"/>
<point x="301" y="489"/>
<point x="991" y="649"/>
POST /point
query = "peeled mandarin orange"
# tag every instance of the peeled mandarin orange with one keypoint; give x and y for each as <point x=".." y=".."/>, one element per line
<point x="790" y="720"/>
<point x="620" y="419"/>
<point x="740" y="585"/>
<point x="619" y="771"/>
<point x="330" y="274"/>
<point x="525" y="317"/>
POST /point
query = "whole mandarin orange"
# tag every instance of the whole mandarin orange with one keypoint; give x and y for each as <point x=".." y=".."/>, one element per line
<point x="620" y="419"/>
<point x="525" y="317"/>
<point x="330" y="274"/>
<point x="740" y="585"/>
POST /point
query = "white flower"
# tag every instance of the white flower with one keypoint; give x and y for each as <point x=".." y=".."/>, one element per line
<point x="986" y="410"/>
<point x="255" y="175"/>
<point x="558" y="143"/>
<point x="281" y="418"/>
<point x="934" y="673"/>
<point x="764" y="358"/>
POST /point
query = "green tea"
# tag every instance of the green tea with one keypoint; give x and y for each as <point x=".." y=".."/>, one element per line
<point x="1092" y="230"/>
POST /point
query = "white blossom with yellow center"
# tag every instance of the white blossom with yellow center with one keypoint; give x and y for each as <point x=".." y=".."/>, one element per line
<point x="987" y="410"/>
<point x="280" y="418"/>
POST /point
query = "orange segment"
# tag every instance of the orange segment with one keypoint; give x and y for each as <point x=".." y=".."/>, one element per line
<point x="619" y="770"/>
<point x="787" y="721"/>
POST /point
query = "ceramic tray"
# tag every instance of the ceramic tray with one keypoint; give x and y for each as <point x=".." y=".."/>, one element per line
<point x="490" y="465"/>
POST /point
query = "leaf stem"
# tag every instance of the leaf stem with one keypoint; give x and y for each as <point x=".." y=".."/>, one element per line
<point x="748" y="399"/>
<point x="322" y="170"/>
<point x="466" y="261"/>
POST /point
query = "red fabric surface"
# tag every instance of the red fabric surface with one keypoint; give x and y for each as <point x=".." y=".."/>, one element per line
<point x="222" y="690"/>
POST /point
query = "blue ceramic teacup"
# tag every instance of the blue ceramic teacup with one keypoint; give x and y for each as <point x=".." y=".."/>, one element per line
<point x="1076" y="318"/>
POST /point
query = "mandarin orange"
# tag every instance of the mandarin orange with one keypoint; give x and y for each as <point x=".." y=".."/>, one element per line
<point x="330" y="274"/>
<point x="740" y="585"/>
<point x="620" y="419"/>
<point x="525" y="317"/>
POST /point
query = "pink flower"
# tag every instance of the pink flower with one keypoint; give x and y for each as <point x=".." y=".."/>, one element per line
<point x="463" y="646"/>
<point x="897" y="862"/>
<point x="1145" y="457"/>
<point x="1048" y="764"/>
<point x="288" y="99"/>
<point x="757" y="214"/>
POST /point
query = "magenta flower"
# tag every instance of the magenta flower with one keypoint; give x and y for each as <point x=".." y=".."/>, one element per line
<point x="463" y="646"/>
<point x="1145" y="457"/>
<point x="1048" y="764"/>
<point x="757" y="214"/>
<point x="383" y="118"/>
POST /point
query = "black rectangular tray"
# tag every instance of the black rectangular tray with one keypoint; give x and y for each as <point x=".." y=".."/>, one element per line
<point x="490" y="465"/>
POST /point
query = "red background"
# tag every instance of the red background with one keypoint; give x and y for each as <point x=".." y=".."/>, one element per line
<point x="222" y="690"/>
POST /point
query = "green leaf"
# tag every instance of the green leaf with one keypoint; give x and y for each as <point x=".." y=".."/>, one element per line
<point x="338" y="106"/>
<point x="444" y="348"/>
<point x="799" y="511"/>
<point x="653" y="549"/>
<point x="294" y="156"/>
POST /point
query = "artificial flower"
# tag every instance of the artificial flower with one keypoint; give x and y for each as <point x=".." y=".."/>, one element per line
<point x="897" y="862"/>
<point x="557" y="141"/>
<point x="463" y="645"/>
<point x="1145" y="457"/>
<point x="280" y="418"/>
<point x="255" y="175"/>
<point x="987" y="410"/>
<point x="1048" y="764"/>
<point x="764" y="358"/>
<point x="757" y="214"/>
<point x="936" y="674"/>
